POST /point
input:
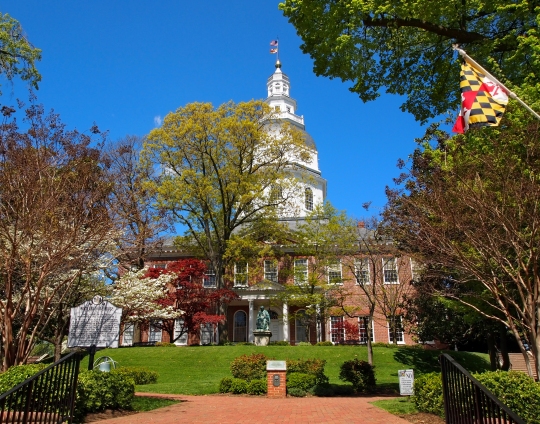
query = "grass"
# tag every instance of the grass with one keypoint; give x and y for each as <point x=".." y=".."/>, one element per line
<point x="197" y="370"/>
<point x="397" y="406"/>
<point x="141" y="403"/>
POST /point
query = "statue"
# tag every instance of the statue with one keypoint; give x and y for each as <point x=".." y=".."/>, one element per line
<point x="263" y="320"/>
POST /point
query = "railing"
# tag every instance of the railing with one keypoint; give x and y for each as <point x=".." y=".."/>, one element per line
<point x="467" y="401"/>
<point x="47" y="397"/>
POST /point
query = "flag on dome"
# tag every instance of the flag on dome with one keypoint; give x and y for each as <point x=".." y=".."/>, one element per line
<point x="483" y="101"/>
<point x="274" y="43"/>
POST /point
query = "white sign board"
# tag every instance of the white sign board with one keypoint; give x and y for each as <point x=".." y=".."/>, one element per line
<point x="94" y="323"/>
<point x="276" y="366"/>
<point x="406" y="382"/>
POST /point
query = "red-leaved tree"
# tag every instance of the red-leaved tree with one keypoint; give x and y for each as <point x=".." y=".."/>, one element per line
<point x="199" y="305"/>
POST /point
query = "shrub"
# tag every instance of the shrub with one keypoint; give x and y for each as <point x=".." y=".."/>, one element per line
<point x="280" y="343"/>
<point x="239" y="386"/>
<point x="249" y="367"/>
<point x="516" y="390"/>
<point x="140" y="375"/>
<point x="17" y="374"/>
<point x="296" y="392"/>
<point x="360" y="374"/>
<point x="323" y="390"/>
<point x="225" y="385"/>
<point x="164" y="344"/>
<point x="428" y="394"/>
<point x="257" y="387"/>
<point x="308" y="366"/>
<point x="324" y="344"/>
<point x="298" y="380"/>
<point x="303" y="344"/>
<point x="342" y="390"/>
<point x="97" y="391"/>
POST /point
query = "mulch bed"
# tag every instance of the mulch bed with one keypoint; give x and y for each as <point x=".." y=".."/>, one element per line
<point x="423" y="418"/>
<point x="107" y="414"/>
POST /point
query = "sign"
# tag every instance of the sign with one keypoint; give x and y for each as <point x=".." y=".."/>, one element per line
<point x="276" y="366"/>
<point x="406" y="382"/>
<point x="94" y="323"/>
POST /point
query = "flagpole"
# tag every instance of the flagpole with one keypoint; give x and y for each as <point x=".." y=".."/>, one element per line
<point x="278" y="47"/>
<point x="487" y="74"/>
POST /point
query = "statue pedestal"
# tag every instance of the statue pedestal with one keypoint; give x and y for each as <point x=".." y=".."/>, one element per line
<point x="262" y="338"/>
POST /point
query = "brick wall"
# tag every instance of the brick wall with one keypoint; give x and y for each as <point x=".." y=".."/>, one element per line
<point x="279" y="391"/>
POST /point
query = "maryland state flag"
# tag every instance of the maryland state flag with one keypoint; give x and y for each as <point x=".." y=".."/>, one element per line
<point x="482" y="100"/>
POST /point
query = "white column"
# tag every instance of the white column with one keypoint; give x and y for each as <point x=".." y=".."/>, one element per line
<point x="286" y="323"/>
<point x="319" y="329"/>
<point x="251" y="321"/>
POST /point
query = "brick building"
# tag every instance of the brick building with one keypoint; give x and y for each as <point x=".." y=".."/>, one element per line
<point x="262" y="286"/>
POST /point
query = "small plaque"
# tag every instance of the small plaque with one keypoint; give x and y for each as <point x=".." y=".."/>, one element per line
<point x="406" y="382"/>
<point x="276" y="366"/>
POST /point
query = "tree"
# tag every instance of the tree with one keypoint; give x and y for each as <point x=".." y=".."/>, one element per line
<point x="54" y="224"/>
<point x="322" y="240"/>
<point x="468" y="209"/>
<point x="406" y="46"/>
<point x="187" y="295"/>
<point x="17" y="55"/>
<point x="132" y="204"/>
<point x="223" y="168"/>
<point x="142" y="297"/>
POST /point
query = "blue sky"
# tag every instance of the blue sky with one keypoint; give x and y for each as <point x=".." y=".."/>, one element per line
<point x="125" y="64"/>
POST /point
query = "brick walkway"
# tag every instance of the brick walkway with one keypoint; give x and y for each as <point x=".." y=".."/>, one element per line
<point x="217" y="409"/>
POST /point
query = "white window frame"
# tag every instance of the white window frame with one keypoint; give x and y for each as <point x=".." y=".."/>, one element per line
<point x="182" y="341"/>
<point x="241" y="278"/>
<point x="334" y="273"/>
<point x="153" y="332"/>
<point x="271" y="270"/>
<point x="334" y="332"/>
<point x="363" y="329"/>
<point x="400" y="333"/>
<point x="390" y="268"/>
<point x="308" y="199"/>
<point x="209" y="278"/>
<point x="362" y="272"/>
<point x="301" y="275"/>
<point x="210" y="330"/>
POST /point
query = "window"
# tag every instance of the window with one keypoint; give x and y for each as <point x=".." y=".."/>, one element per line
<point x="334" y="273"/>
<point x="271" y="271"/>
<point x="241" y="274"/>
<point x="337" y="329"/>
<point x="160" y="266"/>
<point x="363" y="329"/>
<point x="395" y="321"/>
<point x="209" y="279"/>
<point x="127" y="335"/>
<point x="289" y="109"/>
<point x="208" y="334"/>
<point x="300" y="271"/>
<point x="180" y="329"/>
<point x="276" y="194"/>
<point x="240" y="327"/>
<point x="301" y="325"/>
<point x="361" y="271"/>
<point x="390" y="271"/>
<point x="309" y="199"/>
<point x="154" y="335"/>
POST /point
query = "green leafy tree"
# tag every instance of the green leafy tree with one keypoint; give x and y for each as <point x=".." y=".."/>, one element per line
<point x="17" y="54"/>
<point x="322" y="239"/>
<point x="222" y="169"/>
<point x="468" y="209"/>
<point x="405" y="47"/>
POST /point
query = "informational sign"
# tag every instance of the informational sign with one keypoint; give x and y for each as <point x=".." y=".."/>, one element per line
<point x="276" y="366"/>
<point x="406" y="382"/>
<point x="95" y="323"/>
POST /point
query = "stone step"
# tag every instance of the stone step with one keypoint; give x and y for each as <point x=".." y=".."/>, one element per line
<point x="517" y="363"/>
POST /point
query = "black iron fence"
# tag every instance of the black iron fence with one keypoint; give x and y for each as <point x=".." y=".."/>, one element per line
<point x="467" y="401"/>
<point x="47" y="397"/>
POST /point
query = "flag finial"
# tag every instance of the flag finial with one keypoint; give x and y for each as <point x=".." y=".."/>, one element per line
<point x="278" y="64"/>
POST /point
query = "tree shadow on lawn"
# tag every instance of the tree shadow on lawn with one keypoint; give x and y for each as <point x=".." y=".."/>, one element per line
<point x="426" y="361"/>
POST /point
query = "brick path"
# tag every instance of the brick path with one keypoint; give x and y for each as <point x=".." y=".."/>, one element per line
<point x="221" y="409"/>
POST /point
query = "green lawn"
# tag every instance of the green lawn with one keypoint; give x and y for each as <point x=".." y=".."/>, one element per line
<point x="198" y="369"/>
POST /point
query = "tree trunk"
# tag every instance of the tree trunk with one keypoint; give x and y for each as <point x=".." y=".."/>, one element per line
<point x="492" y="351"/>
